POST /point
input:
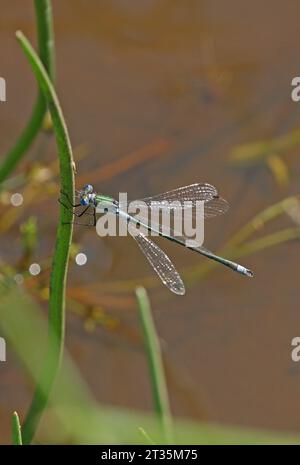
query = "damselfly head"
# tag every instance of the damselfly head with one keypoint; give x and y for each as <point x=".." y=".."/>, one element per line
<point x="86" y="195"/>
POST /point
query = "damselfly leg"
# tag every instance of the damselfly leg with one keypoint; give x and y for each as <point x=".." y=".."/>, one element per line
<point x="79" y="214"/>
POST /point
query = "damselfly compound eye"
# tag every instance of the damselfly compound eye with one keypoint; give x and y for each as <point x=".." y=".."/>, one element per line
<point x="84" y="200"/>
<point x="88" y="188"/>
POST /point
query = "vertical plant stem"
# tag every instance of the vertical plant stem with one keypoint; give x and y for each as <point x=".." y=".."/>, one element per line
<point x="43" y="11"/>
<point x="45" y="36"/>
<point x="61" y="253"/>
<point x="16" y="430"/>
<point x="156" y="370"/>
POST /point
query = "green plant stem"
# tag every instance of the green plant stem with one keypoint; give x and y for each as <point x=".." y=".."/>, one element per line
<point x="62" y="247"/>
<point x="16" y="430"/>
<point x="157" y="375"/>
<point x="45" y="35"/>
<point x="43" y="11"/>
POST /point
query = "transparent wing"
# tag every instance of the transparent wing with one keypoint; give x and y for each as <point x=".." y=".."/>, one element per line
<point x="192" y="192"/>
<point x="215" y="207"/>
<point x="171" y="229"/>
<point x="213" y="204"/>
<point x="161" y="263"/>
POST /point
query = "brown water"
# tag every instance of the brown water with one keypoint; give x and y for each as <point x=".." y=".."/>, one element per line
<point x="178" y="85"/>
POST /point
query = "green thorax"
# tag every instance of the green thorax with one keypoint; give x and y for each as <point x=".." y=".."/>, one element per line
<point x="103" y="199"/>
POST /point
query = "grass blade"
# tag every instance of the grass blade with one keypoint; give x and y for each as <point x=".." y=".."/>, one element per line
<point x="157" y="375"/>
<point x="62" y="246"/>
<point x="16" y="430"/>
<point x="78" y="418"/>
<point x="43" y="12"/>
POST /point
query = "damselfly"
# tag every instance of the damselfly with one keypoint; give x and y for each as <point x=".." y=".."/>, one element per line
<point x="213" y="205"/>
